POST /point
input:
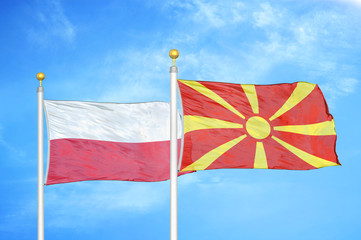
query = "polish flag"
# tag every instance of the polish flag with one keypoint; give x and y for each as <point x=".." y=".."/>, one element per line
<point x="108" y="141"/>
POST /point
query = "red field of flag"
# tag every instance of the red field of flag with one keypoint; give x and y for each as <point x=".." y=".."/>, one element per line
<point x="282" y="126"/>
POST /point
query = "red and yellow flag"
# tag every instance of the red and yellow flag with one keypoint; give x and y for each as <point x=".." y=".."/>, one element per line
<point x="282" y="126"/>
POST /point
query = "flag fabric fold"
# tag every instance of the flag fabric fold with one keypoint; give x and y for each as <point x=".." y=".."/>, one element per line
<point x="282" y="126"/>
<point x="108" y="141"/>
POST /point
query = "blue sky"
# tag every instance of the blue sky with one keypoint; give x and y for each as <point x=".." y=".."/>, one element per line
<point x="118" y="51"/>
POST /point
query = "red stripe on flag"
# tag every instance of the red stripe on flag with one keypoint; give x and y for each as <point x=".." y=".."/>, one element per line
<point x="73" y="160"/>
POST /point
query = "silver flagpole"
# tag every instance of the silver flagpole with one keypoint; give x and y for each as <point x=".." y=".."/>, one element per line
<point x="173" y="148"/>
<point x="40" y="76"/>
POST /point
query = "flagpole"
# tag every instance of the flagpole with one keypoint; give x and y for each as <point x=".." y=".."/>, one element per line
<point x="173" y="148"/>
<point x="40" y="76"/>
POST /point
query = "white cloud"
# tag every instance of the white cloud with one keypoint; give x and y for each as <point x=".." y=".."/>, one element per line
<point x="304" y="34"/>
<point x="352" y="2"/>
<point x="18" y="216"/>
<point x="218" y="15"/>
<point x="214" y="14"/>
<point x="18" y="220"/>
<point x="85" y="204"/>
<point x="132" y="76"/>
<point x="338" y="88"/>
<point x="283" y="37"/>
<point x="188" y="180"/>
<point x="241" y="197"/>
<point x="14" y="152"/>
<point x="348" y="85"/>
<point x="268" y="16"/>
<point x="311" y="41"/>
<point x="52" y="24"/>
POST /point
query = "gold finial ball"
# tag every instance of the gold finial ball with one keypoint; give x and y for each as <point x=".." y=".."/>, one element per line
<point x="40" y="76"/>
<point x="173" y="53"/>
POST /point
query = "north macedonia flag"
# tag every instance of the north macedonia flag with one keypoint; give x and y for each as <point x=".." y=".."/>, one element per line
<point x="282" y="126"/>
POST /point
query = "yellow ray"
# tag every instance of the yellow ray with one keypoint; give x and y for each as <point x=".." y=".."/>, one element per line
<point x="251" y="94"/>
<point x="212" y="95"/>
<point x="208" y="158"/>
<point x="260" y="159"/>
<point x="192" y="123"/>
<point x="301" y="91"/>
<point x="308" y="158"/>
<point x="317" y="129"/>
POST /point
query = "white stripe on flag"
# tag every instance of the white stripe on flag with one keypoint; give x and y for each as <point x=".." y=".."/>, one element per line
<point x="136" y="122"/>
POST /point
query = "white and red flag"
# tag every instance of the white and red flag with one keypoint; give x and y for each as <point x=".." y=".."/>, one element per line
<point x="108" y="141"/>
